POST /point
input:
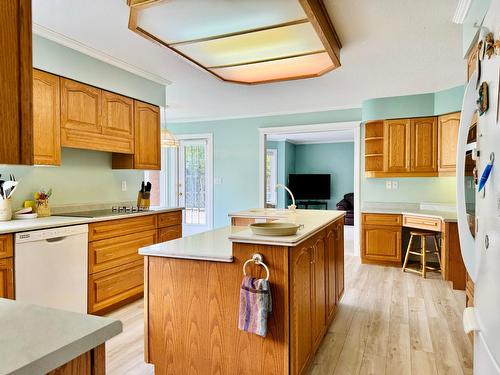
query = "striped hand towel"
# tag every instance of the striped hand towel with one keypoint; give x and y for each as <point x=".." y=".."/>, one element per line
<point x="255" y="305"/>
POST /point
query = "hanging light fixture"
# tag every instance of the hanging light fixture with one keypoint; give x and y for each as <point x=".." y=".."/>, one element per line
<point x="168" y="139"/>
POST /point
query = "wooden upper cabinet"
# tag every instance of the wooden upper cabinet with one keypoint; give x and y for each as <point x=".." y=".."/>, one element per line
<point x="46" y="119"/>
<point x="117" y="115"/>
<point x="448" y="138"/>
<point x="16" y="136"/>
<point x="80" y="107"/>
<point x="397" y="146"/>
<point x="147" y="140"/>
<point x="423" y="144"/>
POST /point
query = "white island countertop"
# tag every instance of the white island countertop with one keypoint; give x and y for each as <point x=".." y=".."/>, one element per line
<point x="216" y="245"/>
<point x="36" y="340"/>
<point x="16" y="225"/>
<point x="312" y="220"/>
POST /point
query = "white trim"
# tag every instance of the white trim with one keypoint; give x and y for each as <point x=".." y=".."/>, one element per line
<point x="354" y="125"/>
<point x="310" y="142"/>
<point x="262" y="114"/>
<point x="461" y="11"/>
<point x="274" y="175"/>
<point x="210" y="172"/>
<point x="95" y="53"/>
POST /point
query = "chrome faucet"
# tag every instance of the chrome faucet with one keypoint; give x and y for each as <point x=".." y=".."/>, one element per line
<point x="292" y="207"/>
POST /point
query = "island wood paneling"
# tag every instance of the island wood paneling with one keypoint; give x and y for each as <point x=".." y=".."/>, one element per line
<point x="193" y="316"/>
<point x="89" y="363"/>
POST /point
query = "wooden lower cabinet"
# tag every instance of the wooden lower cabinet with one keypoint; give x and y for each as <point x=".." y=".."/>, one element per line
<point x="116" y="270"/>
<point x="319" y="290"/>
<point x="339" y="259"/>
<point x="331" y="272"/>
<point x="7" y="278"/>
<point x="381" y="243"/>
<point x="116" y="286"/>
<point x="92" y="362"/>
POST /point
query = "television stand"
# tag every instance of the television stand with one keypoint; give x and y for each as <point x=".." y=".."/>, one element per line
<point x="308" y="203"/>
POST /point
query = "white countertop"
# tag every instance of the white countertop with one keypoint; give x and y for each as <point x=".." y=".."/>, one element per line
<point x="212" y="246"/>
<point x="15" y="226"/>
<point x="36" y="340"/>
<point x="312" y="220"/>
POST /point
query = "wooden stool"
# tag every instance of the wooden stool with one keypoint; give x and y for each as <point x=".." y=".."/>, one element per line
<point x="423" y="252"/>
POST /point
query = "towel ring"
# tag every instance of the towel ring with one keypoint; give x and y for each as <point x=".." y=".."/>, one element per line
<point x="257" y="259"/>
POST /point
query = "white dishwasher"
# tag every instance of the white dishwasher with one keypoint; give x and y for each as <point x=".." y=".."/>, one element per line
<point x="51" y="267"/>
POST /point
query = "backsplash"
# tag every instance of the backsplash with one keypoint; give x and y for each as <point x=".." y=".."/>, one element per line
<point x="84" y="177"/>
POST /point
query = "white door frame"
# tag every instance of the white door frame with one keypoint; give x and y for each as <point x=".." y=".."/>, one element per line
<point x="210" y="173"/>
<point x="354" y="125"/>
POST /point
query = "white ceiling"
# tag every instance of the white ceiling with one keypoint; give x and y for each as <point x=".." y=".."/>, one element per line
<point x="315" y="137"/>
<point x="390" y="47"/>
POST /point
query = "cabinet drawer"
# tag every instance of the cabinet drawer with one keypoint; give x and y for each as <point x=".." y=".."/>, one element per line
<point x="6" y="246"/>
<point x="121" y="227"/>
<point x="169" y="218"/>
<point x="112" y="252"/>
<point x="421" y="222"/>
<point x="169" y="233"/>
<point x="112" y="287"/>
<point x="382" y="219"/>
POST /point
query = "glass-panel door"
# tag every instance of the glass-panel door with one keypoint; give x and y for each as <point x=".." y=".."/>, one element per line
<point x="195" y="185"/>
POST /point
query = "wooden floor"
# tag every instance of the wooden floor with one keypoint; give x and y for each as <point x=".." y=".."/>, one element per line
<point x="388" y="323"/>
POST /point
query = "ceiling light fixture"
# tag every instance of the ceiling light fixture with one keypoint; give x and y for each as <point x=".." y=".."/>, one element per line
<point x="246" y="41"/>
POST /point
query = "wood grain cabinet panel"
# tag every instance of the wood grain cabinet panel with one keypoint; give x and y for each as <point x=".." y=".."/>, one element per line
<point x="115" y="251"/>
<point x="16" y="135"/>
<point x="424" y="144"/>
<point x="331" y="272"/>
<point x="118" y="116"/>
<point x="7" y="278"/>
<point x="6" y="246"/>
<point x="319" y="303"/>
<point x="301" y="307"/>
<point x="80" y="108"/>
<point x="397" y="146"/>
<point x="46" y="119"/>
<point x="381" y="219"/>
<point x="422" y="222"/>
<point x="169" y="233"/>
<point x="147" y="154"/>
<point x="116" y="228"/>
<point x="381" y="244"/>
<point x="448" y="138"/>
<point x="339" y="258"/>
<point x="169" y="218"/>
<point x="116" y="286"/>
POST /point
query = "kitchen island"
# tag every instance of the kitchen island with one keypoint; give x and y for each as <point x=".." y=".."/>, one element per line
<point x="41" y="340"/>
<point x="192" y="288"/>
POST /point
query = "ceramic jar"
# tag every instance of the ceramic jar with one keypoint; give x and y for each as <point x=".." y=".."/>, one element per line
<point x="5" y="209"/>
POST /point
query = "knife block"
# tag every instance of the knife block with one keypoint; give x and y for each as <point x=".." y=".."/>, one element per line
<point x="143" y="200"/>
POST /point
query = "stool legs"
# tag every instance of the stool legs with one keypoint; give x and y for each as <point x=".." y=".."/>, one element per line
<point x="437" y="252"/>
<point x="407" y="253"/>
<point x="424" y="255"/>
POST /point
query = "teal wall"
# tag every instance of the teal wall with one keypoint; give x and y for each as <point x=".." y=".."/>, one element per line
<point x="290" y="168"/>
<point x="236" y="153"/>
<point x="421" y="105"/>
<point x="334" y="158"/>
<point x="57" y="59"/>
<point x="84" y="176"/>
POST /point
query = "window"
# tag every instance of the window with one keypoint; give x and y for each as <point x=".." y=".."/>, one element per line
<point x="271" y="176"/>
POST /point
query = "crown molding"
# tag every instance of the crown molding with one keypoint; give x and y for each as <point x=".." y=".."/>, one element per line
<point x="97" y="54"/>
<point x="461" y="11"/>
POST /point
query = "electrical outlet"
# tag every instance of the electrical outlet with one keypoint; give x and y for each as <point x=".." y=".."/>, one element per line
<point x="388" y="185"/>
<point x="124" y="185"/>
<point x="395" y="185"/>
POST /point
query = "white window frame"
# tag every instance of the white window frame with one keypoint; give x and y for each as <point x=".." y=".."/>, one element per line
<point x="274" y="175"/>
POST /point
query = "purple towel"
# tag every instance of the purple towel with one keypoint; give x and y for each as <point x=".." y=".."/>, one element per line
<point x="255" y="305"/>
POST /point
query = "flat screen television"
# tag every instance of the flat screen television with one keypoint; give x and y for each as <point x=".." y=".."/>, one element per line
<point x="310" y="186"/>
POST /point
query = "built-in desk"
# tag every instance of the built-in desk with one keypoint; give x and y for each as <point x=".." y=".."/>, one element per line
<point x="382" y="239"/>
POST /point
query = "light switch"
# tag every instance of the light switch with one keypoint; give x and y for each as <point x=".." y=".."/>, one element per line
<point x="395" y="185"/>
<point x="388" y="185"/>
<point x="217" y="180"/>
<point x="124" y="185"/>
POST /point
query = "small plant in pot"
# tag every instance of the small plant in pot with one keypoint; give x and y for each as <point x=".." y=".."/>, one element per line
<point x="42" y="202"/>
